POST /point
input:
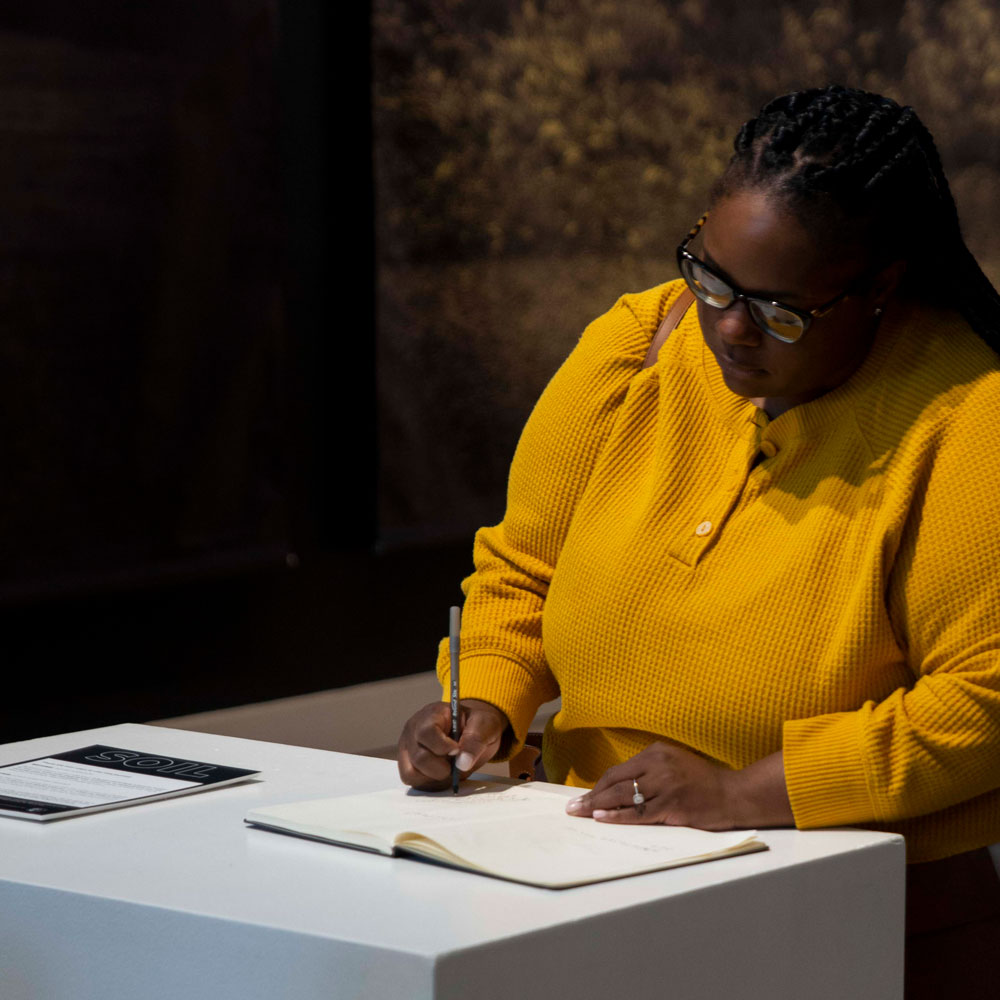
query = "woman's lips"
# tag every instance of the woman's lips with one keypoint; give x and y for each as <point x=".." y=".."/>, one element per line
<point x="740" y="368"/>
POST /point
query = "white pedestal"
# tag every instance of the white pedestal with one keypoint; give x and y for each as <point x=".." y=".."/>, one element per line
<point x="179" y="900"/>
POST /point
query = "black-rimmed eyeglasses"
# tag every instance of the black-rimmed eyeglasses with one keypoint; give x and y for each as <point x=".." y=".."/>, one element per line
<point x="784" y="323"/>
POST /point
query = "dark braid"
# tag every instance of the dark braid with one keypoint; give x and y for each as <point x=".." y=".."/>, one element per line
<point x="848" y="158"/>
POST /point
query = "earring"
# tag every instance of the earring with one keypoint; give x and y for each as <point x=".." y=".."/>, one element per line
<point x="878" y="311"/>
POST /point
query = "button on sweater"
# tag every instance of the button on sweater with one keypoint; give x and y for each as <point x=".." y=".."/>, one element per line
<point x="681" y="568"/>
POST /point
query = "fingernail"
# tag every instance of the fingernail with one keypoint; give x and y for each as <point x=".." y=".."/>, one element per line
<point x="574" y="805"/>
<point x="601" y="813"/>
<point x="453" y="753"/>
<point x="465" y="760"/>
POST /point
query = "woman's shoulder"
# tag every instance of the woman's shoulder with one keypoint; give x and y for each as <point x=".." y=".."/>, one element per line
<point x="938" y="376"/>
<point x="650" y="306"/>
<point x="939" y="356"/>
<point x="622" y="334"/>
<point x="948" y="331"/>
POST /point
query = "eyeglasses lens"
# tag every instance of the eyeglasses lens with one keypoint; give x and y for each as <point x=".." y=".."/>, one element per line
<point x="778" y="322"/>
<point x="712" y="290"/>
<point x="706" y="285"/>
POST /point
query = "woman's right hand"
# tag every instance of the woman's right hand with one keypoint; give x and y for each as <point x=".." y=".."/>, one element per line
<point x="426" y="748"/>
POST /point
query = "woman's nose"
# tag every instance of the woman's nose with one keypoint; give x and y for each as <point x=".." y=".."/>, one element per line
<point x="735" y="325"/>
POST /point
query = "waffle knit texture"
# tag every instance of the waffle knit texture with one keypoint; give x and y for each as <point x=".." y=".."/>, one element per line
<point x="838" y="598"/>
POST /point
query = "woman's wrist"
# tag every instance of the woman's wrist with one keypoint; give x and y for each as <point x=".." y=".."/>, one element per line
<point x="759" y="796"/>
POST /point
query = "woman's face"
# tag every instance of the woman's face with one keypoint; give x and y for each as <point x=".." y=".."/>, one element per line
<point x="763" y="250"/>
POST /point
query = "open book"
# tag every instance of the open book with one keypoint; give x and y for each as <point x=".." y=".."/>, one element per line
<point x="517" y="832"/>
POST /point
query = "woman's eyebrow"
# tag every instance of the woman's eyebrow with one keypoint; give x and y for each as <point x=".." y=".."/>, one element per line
<point x="770" y="296"/>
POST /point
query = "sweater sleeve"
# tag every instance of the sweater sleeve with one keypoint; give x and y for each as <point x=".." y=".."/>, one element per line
<point x="503" y="660"/>
<point x="930" y="746"/>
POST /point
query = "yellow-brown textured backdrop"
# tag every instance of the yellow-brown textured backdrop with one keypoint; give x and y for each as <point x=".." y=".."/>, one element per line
<point x="534" y="160"/>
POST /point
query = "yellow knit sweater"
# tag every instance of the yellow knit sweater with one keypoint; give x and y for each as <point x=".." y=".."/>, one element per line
<point x="681" y="568"/>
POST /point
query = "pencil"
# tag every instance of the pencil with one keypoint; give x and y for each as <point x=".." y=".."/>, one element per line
<point x="454" y="630"/>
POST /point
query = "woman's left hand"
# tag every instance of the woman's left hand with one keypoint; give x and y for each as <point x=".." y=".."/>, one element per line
<point x="679" y="788"/>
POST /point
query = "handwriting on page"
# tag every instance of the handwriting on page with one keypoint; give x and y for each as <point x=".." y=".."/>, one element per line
<point x="478" y="802"/>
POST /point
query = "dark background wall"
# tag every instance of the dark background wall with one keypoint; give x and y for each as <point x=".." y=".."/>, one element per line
<point x="145" y="373"/>
<point x="187" y="501"/>
<point x="247" y="434"/>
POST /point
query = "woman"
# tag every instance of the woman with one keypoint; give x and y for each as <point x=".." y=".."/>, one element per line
<point x="768" y="563"/>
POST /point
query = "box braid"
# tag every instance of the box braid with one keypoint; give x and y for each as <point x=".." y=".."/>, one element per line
<point x="844" y="158"/>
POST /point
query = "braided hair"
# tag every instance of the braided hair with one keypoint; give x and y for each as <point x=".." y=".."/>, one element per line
<point x="860" y="164"/>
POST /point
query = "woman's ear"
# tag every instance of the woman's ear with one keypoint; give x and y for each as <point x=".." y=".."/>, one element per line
<point x="885" y="283"/>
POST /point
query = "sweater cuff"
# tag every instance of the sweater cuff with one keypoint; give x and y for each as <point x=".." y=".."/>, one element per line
<point x="825" y="773"/>
<point x="502" y="682"/>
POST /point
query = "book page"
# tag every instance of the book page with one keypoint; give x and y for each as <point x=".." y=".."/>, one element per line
<point x="557" y="849"/>
<point x="520" y="832"/>
<point x="387" y="814"/>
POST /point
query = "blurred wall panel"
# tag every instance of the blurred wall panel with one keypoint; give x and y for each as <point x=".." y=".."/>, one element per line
<point x="142" y="344"/>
